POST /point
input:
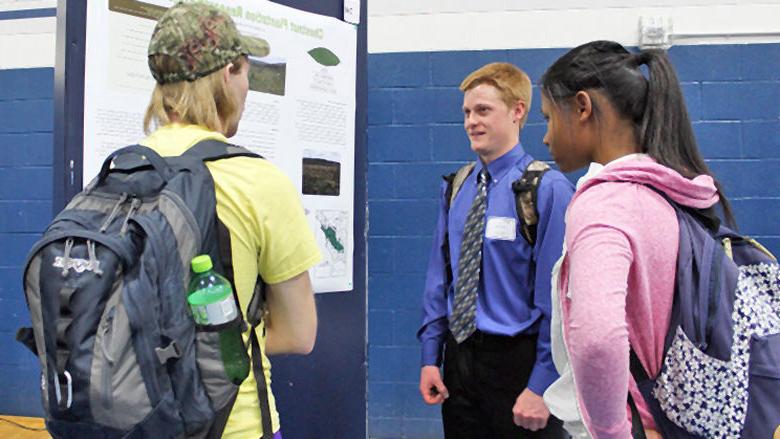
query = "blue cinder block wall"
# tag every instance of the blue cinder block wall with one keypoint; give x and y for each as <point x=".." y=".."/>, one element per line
<point x="416" y="135"/>
<point x="26" y="122"/>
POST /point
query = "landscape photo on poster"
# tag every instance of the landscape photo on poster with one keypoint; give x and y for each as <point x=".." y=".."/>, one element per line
<point x="321" y="173"/>
<point x="267" y="74"/>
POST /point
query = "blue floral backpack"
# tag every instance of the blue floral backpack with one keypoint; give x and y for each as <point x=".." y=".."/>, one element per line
<point x="720" y="376"/>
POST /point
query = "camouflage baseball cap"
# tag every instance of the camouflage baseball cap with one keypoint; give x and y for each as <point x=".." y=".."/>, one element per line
<point x="202" y="39"/>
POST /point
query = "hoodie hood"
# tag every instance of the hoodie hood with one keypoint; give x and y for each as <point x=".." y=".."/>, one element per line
<point x="698" y="193"/>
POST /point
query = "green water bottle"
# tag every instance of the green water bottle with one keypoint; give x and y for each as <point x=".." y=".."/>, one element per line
<point x="211" y="299"/>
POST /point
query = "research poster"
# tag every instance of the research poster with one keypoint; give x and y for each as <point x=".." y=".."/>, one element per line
<point x="300" y="109"/>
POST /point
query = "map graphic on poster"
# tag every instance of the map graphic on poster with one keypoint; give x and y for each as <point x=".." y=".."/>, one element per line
<point x="299" y="112"/>
<point x="333" y="237"/>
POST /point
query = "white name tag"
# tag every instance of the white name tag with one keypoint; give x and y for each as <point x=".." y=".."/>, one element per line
<point x="501" y="228"/>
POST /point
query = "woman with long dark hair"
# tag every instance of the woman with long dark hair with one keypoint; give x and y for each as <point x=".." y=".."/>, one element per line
<point x="625" y="111"/>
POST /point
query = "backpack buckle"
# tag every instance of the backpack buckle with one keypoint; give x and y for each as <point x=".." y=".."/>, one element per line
<point x="168" y="352"/>
<point x="58" y="392"/>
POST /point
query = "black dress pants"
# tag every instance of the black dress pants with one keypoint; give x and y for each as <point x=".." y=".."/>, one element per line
<point x="484" y="376"/>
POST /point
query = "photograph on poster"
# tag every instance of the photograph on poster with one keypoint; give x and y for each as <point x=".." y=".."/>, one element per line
<point x="321" y="173"/>
<point x="267" y="74"/>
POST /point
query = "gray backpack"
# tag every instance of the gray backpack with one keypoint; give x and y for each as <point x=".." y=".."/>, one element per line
<point x="119" y="352"/>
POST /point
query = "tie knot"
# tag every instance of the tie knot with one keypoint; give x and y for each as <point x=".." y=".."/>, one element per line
<point x="484" y="176"/>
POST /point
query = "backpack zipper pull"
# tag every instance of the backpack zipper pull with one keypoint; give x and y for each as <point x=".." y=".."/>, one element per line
<point x="66" y="257"/>
<point x="94" y="263"/>
<point x="68" y="386"/>
<point x="727" y="248"/>
<point x="114" y="211"/>
<point x="133" y="207"/>
<point x="107" y="333"/>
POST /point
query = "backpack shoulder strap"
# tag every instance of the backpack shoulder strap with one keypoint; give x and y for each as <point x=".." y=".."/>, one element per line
<point x="526" y="189"/>
<point x="455" y="181"/>
<point x="210" y="150"/>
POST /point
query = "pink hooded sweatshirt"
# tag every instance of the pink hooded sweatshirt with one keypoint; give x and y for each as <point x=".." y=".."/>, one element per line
<point x="617" y="282"/>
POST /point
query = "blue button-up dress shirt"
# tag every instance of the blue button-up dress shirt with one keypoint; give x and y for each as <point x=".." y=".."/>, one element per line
<point x="514" y="287"/>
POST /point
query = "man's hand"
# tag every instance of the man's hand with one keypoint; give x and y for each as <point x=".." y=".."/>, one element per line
<point x="529" y="411"/>
<point x="432" y="387"/>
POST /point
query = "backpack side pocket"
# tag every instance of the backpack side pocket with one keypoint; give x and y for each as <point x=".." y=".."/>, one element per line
<point x="219" y="387"/>
<point x="118" y="395"/>
<point x="763" y="409"/>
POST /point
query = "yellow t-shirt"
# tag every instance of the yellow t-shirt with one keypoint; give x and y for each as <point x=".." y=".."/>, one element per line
<point x="269" y="235"/>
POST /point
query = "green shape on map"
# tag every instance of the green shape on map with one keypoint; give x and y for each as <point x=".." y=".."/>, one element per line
<point x="330" y="234"/>
<point x="324" y="56"/>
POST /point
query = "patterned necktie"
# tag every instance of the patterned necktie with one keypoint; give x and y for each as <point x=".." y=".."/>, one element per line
<point x="462" y="321"/>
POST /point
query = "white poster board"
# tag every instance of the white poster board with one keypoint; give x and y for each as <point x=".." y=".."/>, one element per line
<point x="300" y="110"/>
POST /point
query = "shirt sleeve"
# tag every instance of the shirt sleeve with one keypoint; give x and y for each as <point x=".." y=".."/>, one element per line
<point x="287" y="246"/>
<point x="597" y="337"/>
<point x="434" y="312"/>
<point x="553" y="197"/>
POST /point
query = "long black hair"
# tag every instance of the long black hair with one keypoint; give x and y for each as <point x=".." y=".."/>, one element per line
<point x="655" y="104"/>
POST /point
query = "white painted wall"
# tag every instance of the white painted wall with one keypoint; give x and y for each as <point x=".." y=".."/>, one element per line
<point x="439" y="25"/>
<point x="16" y="5"/>
<point x="27" y="42"/>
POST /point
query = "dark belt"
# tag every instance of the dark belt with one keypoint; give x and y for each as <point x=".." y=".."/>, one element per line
<point x="484" y="340"/>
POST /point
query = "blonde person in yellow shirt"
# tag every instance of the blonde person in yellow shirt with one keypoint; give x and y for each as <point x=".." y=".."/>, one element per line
<point x="199" y="61"/>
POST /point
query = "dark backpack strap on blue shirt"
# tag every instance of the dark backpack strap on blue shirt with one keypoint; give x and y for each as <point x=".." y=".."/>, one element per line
<point x="454" y="183"/>
<point x="526" y="190"/>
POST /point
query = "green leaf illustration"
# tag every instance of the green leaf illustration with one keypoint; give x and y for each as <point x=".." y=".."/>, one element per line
<point x="324" y="56"/>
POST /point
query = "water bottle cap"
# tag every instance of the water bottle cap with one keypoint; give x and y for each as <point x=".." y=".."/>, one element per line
<point x="201" y="263"/>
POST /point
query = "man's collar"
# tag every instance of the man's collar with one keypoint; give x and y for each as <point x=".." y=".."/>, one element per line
<point x="500" y="166"/>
